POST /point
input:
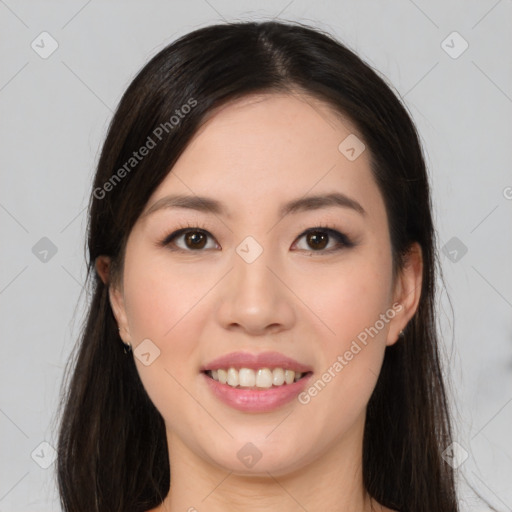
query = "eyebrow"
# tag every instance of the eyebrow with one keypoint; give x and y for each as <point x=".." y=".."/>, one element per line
<point x="209" y="205"/>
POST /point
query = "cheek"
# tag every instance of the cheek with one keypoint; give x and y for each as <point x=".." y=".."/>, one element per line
<point x="164" y="306"/>
<point x="355" y="306"/>
<point x="159" y="295"/>
<point x="351" y="355"/>
<point x="350" y="299"/>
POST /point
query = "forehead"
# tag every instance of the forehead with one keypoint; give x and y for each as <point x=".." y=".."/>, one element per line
<point x="263" y="150"/>
<point x="292" y="117"/>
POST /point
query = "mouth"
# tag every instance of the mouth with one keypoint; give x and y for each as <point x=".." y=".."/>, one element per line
<point x="256" y="383"/>
<point x="261" y="390"/>
<point x="256" y="379"/>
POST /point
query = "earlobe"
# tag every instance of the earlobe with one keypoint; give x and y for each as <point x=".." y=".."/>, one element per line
<point x="118" y="309"/>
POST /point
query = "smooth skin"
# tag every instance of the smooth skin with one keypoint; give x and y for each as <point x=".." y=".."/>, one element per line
<point x="306" y="298"/>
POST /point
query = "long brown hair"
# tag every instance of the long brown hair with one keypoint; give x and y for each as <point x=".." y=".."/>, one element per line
<point x="112" y="448"/>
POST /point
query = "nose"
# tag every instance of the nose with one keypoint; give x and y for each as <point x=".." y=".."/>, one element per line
<point x="255" y="297"/>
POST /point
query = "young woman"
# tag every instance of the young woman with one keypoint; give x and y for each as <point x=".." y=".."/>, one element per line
<point x="262" y="333"/>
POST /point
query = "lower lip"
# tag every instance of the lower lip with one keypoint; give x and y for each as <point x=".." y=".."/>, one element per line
<point x="250" y="400"/>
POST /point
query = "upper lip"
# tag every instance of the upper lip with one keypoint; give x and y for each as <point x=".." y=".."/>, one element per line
<point x="255" y="361"/>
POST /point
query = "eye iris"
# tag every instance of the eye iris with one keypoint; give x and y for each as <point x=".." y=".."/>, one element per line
<point x="317" y="236"/>
<point x="196" y="238"/>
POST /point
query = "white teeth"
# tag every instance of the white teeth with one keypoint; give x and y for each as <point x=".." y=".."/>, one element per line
<point x="247" y="377"/>
<point x="222" y="376"/>
<point x="262" y="378"/>
<point x="233" y="377"/>
<point x="278" y="376"/>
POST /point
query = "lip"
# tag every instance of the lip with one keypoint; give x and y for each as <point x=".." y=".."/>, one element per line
<point x="255" y="361"/>
<point x="250" y="400"/>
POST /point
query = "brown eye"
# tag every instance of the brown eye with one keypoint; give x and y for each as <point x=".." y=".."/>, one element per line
<point x="324" y="240"/>
<point x="317" y="239"/>
<point x="188" y="239"/>
<point x="195" y="240"/>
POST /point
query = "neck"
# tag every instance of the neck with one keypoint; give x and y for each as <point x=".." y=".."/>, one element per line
<point x="331" y="481"/>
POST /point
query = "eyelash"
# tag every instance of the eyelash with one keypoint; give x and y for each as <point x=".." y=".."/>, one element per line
<point x="344" y="242"/>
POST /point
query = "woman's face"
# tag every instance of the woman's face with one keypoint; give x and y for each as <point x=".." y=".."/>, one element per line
<point x="247" y="279"/>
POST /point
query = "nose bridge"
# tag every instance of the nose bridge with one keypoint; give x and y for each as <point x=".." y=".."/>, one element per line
<point x="251" y="262"/>
<point x="254" y="298"/>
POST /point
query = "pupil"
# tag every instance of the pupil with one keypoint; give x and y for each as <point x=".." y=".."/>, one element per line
<point x="317" y="236"/>
<point x="194" y="238"/>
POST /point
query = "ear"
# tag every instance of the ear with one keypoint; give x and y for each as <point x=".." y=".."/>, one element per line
<point x="116" y="297"/>
<point x="407" y="291"/>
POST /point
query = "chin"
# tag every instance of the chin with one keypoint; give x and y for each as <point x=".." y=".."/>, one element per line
<point x="250" y="460"/>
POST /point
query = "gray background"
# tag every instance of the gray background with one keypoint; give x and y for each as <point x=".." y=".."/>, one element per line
<point x="55" y="112"/>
